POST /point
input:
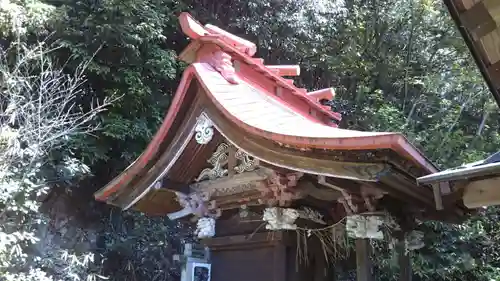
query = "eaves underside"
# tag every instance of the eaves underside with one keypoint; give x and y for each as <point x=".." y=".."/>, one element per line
<point x="279" y="125"/>
<point x="143" y="174"/>
<point x="477" y="55"/>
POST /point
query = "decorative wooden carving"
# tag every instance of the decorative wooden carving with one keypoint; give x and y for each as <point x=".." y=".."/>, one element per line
<point x="238" y="183"/>
<point x="280" y="218"/>
<point x="279" y="189"/>
<point x="284" y="218"/>
<point x="198" y="204"/>
<point x="246" y="163"/>
<point x="219" y="162"/>
<point x="204" y="130"/>
<point x="368" y="171"/>
<point x="365" y="227"/>
<point x="370" y="196"/>
<point x="345" y="200"/>
<point x="205" y="227"/>
<point x="221" y="62"/>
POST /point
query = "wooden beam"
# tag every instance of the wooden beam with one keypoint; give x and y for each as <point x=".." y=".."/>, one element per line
<point x="308" y="188"/>
<point x="494" y="72"/>
<point x="456" y="195"/>
<point x="493" y="7"/>
<point x="228" y="185"/>
<point x="438" y="199"/>
<point x="479" y="20"/>
<point x="240" y="241"/>
<point x="363" y="260"/>
<point x="404" y="259"/>
<point x="482" y="193"/>
<point x="285" y="70"/>
<point x="244" y="45"/>
<point x="407" y="188"/>
<point x="324" y="94"/>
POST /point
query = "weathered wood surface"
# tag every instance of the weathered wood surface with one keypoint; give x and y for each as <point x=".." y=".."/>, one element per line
<point x="404" y="260"/>
<point x="482" y="193"/>
<point x="364" y="267"/>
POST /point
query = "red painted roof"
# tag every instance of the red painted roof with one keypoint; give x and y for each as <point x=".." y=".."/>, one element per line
<point x="261" y="102"/>
<point x="258" y="110"/>
<point x="243" y="50"/>
<point x="268" y="116"/>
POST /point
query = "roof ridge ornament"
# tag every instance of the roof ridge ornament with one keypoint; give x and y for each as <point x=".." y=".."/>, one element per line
<point x="204" y="130"/>
<point x="221" y="62"/>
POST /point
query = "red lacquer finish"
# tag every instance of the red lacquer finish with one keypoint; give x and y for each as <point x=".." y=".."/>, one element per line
<point x="260" y="101"/>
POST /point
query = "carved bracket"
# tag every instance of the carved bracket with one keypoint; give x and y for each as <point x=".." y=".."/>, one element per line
<point x="371" y="195"/>
<point x="198" y="204"/>
<point x="279" y="189"/>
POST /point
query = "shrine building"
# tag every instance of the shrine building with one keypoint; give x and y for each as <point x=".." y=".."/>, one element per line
<point x="274" y="186"/>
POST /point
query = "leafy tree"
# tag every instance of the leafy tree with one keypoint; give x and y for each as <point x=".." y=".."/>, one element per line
<point x="396" y="65"/>
<point x="131" y="46"/>
<point x="39" y="114"/>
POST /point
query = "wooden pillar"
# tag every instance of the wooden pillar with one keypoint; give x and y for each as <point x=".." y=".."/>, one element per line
<point x="363" y="260"/>
<point x="404" y="258"/>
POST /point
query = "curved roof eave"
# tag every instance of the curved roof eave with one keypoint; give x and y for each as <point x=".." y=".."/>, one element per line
<point x="153" y="147"/>
<point x="290" y="133"/>
<point x="284" y="126"/>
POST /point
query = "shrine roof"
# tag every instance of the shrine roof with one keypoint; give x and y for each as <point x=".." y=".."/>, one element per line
<point x="478" y="23"/>
<point x="267" y="113"/>
<point x="248" y="101"/>
<point x="263" y="114"/>
<point x="489" y="167"/>
<point x="269" y="72"/>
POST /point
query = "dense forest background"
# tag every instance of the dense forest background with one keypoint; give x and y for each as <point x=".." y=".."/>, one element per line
<point x="85" y="83"/>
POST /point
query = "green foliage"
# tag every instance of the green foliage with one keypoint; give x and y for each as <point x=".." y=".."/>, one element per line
<point x="39" y="116"/>
<point x="127" y="44"/>
<point x="136" y="247"/>
<point x="19" y="17"/>
<point x="396" y="66"/>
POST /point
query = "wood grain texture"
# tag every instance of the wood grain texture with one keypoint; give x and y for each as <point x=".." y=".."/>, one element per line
<point x="478" y="20"/>
<point x="165" y="160"/>
<point x="193" y="160"/>
<point x="158" y="203"/>
<point x="466" y="4"/>
<point x="491" y="45"/>
<point x="482" y="193"/>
